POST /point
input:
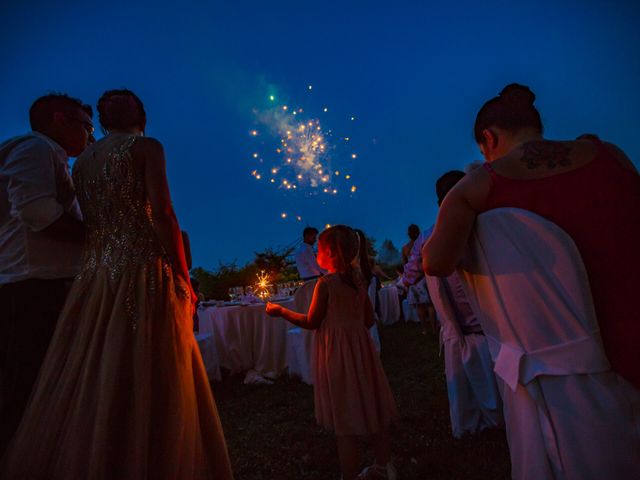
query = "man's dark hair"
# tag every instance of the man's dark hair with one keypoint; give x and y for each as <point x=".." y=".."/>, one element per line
<point x="309" y="231"/>
<point x="446" y="182"/>
<point x="43" y="108"/>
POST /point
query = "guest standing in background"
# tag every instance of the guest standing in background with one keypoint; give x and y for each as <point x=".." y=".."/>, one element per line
<point x="417" y="292"/>
<point x="414" y="232"/>
<point x="305" y="257"/>
<point x="41" y="235"/>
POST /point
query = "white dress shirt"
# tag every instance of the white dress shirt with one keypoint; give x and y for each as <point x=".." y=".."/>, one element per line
<point x="306" y="262"/>
<point x="35" y="190"/>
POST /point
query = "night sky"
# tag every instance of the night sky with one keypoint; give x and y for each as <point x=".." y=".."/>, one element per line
<point x="412" y="74"/>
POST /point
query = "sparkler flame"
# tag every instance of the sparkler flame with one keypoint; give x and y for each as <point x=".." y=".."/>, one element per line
<point x="261" y="288"/>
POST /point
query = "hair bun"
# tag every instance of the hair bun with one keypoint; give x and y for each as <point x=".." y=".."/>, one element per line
<point x="517" y="94"/>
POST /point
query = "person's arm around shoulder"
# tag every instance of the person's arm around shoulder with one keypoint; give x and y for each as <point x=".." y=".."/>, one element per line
<point x="445" y="247"/>
<point x="317" y="310"/>
<point x="165" y="223"/>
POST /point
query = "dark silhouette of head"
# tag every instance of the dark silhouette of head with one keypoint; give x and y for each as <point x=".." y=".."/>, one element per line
<point x="64" y="119"/>
<point x="512" y="110"/>
<point x="121" y="110"/>
<point x="446" y="182"/>
<point x="309" y="235"/>
<point x="413" y="231"/>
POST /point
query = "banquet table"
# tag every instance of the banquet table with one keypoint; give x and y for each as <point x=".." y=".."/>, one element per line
<point x="246" y="339"/>
<point x="209" y="355"/>
<point x="389" y="305"/>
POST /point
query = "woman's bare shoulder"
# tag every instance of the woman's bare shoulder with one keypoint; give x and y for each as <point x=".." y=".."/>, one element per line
<point x="147" y="149"/>
<point x="148" y="145"/>
<point x="473" y="189"/>
<point x="621" y="157"/>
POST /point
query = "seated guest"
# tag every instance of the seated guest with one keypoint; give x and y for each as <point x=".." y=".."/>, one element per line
<point x="474" y="401"/>
<point x="305" y="257"/>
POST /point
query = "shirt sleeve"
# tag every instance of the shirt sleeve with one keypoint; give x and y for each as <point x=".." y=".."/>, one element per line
<point x="31" y="173"/>
<point x="306" y="262"/>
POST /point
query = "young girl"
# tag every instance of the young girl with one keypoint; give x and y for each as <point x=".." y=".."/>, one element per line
<point x="351" y="392"/>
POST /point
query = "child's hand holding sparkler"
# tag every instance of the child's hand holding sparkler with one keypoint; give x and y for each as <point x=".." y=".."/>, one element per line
<point x="273" y="309"/>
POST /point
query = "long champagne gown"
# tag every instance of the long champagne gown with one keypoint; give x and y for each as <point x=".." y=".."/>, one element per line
<point x="122" y="393"/>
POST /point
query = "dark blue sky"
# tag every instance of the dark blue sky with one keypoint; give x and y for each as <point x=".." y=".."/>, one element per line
<point x="413" y="73"/>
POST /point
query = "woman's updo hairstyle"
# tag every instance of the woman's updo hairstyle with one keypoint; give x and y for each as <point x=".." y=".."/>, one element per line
<point x="511" y="110"/>
<point x="121" y="109"/>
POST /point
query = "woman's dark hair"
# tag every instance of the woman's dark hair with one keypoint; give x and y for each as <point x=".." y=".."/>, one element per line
<point x="511" y="110"/>
<point x="342" y="242"/>
<point x="43" y="108"/>
<point x="363" y="256"/>
<point x="413" y="231"/>
<point x="121" y="109"/>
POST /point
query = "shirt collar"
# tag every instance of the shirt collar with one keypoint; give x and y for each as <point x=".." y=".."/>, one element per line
<point x="55" y="145"/>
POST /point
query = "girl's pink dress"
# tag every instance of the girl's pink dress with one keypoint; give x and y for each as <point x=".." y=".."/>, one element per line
<point x="351" y="390"/>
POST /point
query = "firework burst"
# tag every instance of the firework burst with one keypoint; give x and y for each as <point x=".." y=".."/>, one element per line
<point x="302" y="159"/>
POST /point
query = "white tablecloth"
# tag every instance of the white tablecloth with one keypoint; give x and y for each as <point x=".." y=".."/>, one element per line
<point x="209" y="355"/>
<point x="246" y="338"/>
<point x="389" y="305"/>
<point x="410" y="312"/>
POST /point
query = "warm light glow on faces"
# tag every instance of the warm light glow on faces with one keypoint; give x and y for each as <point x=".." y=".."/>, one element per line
<point x="325" y="260"/>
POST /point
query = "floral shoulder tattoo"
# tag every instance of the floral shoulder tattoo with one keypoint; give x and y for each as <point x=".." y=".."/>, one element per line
<point x="539" y="153"/>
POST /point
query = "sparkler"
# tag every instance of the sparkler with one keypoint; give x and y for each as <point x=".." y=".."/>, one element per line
<point x="261" y="288"/>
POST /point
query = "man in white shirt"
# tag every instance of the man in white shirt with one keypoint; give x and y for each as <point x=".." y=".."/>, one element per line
<point x="305" y="257"/>
<point x="41" y="236"/>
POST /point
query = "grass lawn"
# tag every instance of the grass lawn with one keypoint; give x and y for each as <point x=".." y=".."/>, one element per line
<point x="272" y="435"/>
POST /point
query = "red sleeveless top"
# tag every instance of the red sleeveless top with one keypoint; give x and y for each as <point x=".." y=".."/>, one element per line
<point x="598" y="205"/>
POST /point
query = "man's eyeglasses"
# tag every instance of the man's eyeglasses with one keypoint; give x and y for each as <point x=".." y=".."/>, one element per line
<point x="88" y="126"/>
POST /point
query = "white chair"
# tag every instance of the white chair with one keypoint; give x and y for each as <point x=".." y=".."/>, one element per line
<point x="567" y="414"/>
<point x="300" y="340"/>
<point x="410" y="312"/>
<point x="389" y="305"/>
<point x="474" y="401"/>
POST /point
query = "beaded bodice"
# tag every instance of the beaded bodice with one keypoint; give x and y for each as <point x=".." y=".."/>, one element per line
<point x="115" y="207"/>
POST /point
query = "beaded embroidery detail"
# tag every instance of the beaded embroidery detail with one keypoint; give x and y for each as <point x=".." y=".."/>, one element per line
<point x="118" y="218"/>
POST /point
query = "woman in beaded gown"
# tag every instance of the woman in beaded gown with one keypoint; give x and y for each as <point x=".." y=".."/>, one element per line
<point x="123" y="393"/>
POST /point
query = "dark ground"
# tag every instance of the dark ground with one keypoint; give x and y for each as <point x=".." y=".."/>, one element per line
<point x="272" y="435"/>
